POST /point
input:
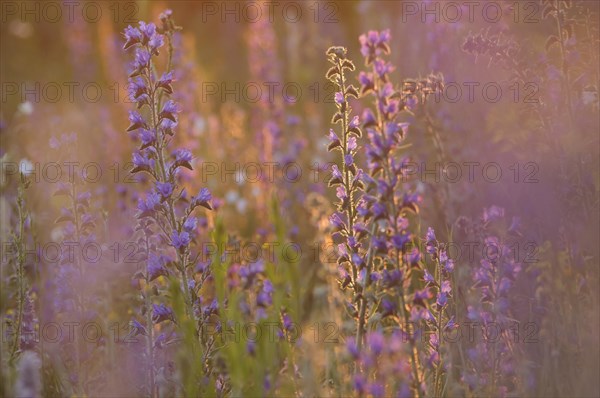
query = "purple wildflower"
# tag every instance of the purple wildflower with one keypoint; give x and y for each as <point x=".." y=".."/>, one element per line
<point x="169" y="111"/>
<point x="162" y="313"/>
<point x="136" y="121"/>
<point x="203" y="199"/>
<point x="138" y="328"/>
<point x="190" y="224"/>
<point x="132" y="36"/>
<point x="182" y="155"/>
<point x="148" y="137"/>
<point x="180" y="240"/>
<point x="156" y="267"/>
<point x="165" y="189"/>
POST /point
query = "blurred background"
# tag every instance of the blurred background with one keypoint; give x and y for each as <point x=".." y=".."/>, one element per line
<point x="516" y="126"/>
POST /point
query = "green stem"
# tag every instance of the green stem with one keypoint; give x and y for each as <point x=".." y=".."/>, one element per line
<point x="438" y="369"/>
<point x="150" y="328"/>
<point x="398" y="262"/>
<point x="363" y="303"/>
<point x="566" y="83"/>
<point x="413" y="348"/>
<point x="350" y="205"/>
<point x="20" y="275"/>
<point x="79" y="298"/>
<point x="181" y="257"/>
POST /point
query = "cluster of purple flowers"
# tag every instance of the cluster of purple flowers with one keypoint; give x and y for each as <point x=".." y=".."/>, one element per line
<point x="494" y="46"/>
<point x="374" y="206"/>
<point x="349" y="186"/>
<point x="257" y="288"/>
<point x="388" y="203"/>
<point x="437" y="316"/>
<point x="166" y="213"/>
<point x="491" y="358"/>
<point x="377" y="256"/>
<point x="385" y="370"/>
<point x="71" y="299"/>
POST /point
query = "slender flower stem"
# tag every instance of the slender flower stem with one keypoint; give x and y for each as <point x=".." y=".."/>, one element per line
<point x="345" y="171"/>
<point x="149" y="325"/>
<point x="78" y="297"/>
<point x="413" y="349"/>
<point x="566" y="83"/>
<point x="350" y="216"/>
<point x="348" y="172"/>
<point x="20" y="273"/>
<point x="163" y="177"/>
<point x="438" y="369"/>
<point x="393" y="209"/>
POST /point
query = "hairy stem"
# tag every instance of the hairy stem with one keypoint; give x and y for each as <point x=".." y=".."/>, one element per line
<point x="149" y="326"/>
<point x="20" y="274"/>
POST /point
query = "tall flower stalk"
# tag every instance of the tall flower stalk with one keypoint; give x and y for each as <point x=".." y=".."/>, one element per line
<point x="491" y="367"/>
<point x="377" y="256"/>
<point x="387" y="202"/>
<point x="438" y="318"/>
<point x="20" y="242"/>
<point x="348" y="184"/>
<point x="166" y="213"/>
<point x="78" y="225"/>
<point x="265" y="68"/>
